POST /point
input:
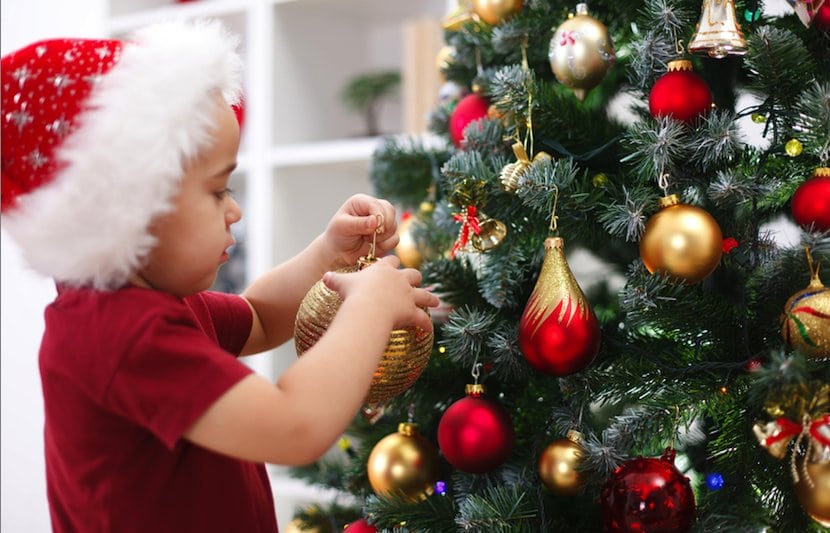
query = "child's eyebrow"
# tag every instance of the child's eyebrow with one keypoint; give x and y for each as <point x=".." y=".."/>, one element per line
<point x="227" y="170"/>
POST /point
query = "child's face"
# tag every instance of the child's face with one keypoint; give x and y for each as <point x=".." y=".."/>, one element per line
<point x="194" y="237"/>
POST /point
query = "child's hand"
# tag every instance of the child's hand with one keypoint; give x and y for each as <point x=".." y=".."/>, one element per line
<point x="390" y="292"/>
<point x="351" y="230"/>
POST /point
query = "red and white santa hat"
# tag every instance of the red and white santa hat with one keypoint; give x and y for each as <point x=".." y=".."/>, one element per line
<point x="95" y="136"/>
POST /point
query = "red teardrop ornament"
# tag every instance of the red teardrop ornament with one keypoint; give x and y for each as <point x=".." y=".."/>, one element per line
<point x="558" y="333"/>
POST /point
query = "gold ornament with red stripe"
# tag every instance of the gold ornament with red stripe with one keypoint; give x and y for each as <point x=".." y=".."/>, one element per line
<point x="718" y="33"/>
<point x="559" y="333"/>
<point x="805" y="324"/>
<point x="405" y="357"/>
<point x="808" y="442"/>
<point x="581" y="52"/>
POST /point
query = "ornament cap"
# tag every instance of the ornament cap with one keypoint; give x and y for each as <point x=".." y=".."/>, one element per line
<point x="554" y="243"/>
<point x="679" y="64"/>
<point x="821" y="172"/>
<point x="668" y="201"/>
<point x="582" y="8"/>
<point x="408" y="429"/>
<point x="668" y="455"/>
<point x="474" y="389"/>
<point x="575" y="436"/>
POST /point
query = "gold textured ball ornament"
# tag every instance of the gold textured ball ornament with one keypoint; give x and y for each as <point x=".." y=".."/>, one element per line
<point x="581" y="52"/>
<point x="805" y="323"/>
<point x="403" y="361"/>
<point x="495" y="12"/>
<point x="403" y="465"/>
<point x="559" y="465"/>
<point x="681" y="240"/>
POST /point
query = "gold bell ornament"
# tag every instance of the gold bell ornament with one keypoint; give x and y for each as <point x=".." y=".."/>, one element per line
<point x="805" y="324"/>
<point x="404" y="359"/>
<point x="559" y="465"/>
<point x="403" y="465"/>
<point x="809" y="459"/>
<point x="513" y="172"/>
<point x="681" y="240"/>
<point x="479" y="230"/>
<point x="495" y="12"/>
<point x="718" y="33"/>
<point x="581" y="52"/>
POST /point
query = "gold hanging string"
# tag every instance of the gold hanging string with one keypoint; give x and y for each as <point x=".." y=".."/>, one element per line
<point x="554" y="220"/>
<point x="528" y="142"/>
<point x="813" y="270"/>
<point x="371" y="255"/>
<point x="676" y="423"/>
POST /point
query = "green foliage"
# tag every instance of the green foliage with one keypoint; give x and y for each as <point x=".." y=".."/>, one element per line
<point x="676" y="365"/>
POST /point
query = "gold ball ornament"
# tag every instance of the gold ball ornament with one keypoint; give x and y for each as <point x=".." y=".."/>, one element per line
<point x="681" y="240"/>
<point x="495" y="12"/>
<point x="794" y="148"/>
<point x="316" y="523"/>
<point x="813" y="486"/>
<point x="559" y="465"/>
<point x="403" y="465"/>
<point x="403" y="361"/>
<point x="581" y="52"/>
<point x="805" y="323"/>
<point x="407" y="249"/>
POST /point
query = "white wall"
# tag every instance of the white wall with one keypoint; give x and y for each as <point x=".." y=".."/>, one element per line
<point x="23" y="295"/>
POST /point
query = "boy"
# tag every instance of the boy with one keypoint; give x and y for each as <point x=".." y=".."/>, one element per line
<point x="116" y="158"/>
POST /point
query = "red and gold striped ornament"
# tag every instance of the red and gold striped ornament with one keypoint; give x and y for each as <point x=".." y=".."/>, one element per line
<point x="806" y="321"/>
<point x="559" y="333"/>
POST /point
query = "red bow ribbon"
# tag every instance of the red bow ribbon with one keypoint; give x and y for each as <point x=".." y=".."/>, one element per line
<point x="567" y="38"/>
<point x="469" y="222"/>
<point x="790" y="429"/>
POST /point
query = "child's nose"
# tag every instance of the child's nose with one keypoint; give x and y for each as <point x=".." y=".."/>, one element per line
<point x="234" y="212"/>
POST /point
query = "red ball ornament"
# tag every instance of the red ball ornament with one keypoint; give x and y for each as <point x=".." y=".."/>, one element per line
<point x="821" y="19"/>
<point x="559" y="333"/>
<point x="360" y="526"/>
<point x="811" y="202"/>
<point x="475" y="434"/>
<point x="646" y="494"/>
<point x="471" y="107"/>
<point x="680" y="93"/>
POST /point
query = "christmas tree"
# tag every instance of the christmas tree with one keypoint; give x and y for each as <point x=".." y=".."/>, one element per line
<point x="685" y="387"/>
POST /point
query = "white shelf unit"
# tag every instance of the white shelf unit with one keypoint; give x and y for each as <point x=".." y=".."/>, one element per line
<point x="302" y="152"/>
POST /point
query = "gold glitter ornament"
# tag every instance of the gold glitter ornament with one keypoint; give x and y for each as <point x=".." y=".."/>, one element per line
<point x="495" y="12"/>
<point x="794" y="148"/>
<point x="813" y="486"/>
<point x="805" y="324"/>
<point x="599" y="180"/>
<point x="681" y="240"/>
<point x="403" y="361"/>
<point x="403" y="465"/>
<point x="581" y="52"/>
<point x="559" y="465"/>
<point x="512" y="172"/>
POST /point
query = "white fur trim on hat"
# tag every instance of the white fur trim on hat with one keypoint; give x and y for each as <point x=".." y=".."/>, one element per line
<point x="148" y="116"/>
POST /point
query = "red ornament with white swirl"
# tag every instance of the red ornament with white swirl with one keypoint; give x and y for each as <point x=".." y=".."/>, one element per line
<point x="558" y="333"/>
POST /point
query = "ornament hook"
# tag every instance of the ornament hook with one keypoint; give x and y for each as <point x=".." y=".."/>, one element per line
<point x="371" y="256"/>
<point x="553" y="218"/>
<point x="476" y="372"/>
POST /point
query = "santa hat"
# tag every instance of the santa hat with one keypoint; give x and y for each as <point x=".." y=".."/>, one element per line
<point x="95" y="136"/>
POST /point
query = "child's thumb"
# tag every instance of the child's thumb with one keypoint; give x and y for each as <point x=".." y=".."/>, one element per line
<point x="333" y="280"/>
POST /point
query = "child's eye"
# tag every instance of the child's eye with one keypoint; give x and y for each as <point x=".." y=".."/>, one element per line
<point x="224" y="193"/>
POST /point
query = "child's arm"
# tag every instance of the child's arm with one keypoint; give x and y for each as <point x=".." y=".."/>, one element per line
<point x="276" y="296"/>
<point x="298" y="419"/>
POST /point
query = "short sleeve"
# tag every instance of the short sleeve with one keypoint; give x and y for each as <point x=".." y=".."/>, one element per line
<point x="227" y="318"/>
<point x="171" y="374"/>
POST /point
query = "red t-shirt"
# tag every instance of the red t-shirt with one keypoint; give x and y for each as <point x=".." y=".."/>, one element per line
<point x="124" y="375"/>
